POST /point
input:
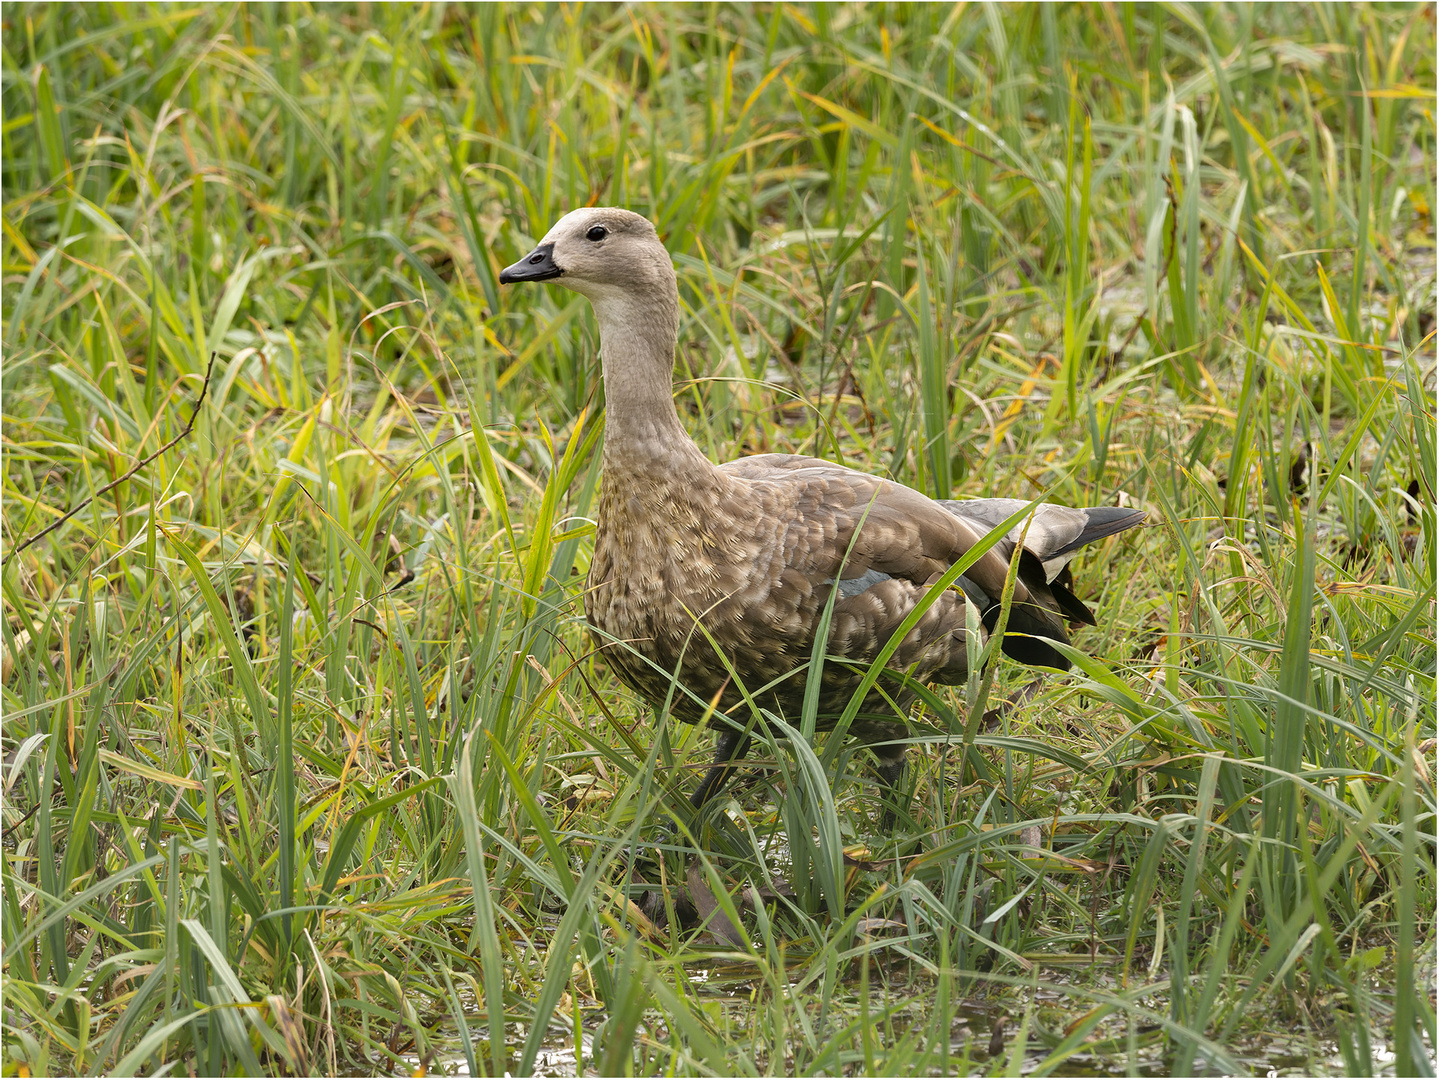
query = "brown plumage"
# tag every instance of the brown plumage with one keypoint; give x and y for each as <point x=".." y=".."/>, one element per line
<point x="750" y="550"/>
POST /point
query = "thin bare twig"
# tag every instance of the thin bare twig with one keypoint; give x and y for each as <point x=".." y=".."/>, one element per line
<point x="68" y="514"/>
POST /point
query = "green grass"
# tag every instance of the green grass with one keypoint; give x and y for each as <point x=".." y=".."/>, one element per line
<point x="309" y="765"/>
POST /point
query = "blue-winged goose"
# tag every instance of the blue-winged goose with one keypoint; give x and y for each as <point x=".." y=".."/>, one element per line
<point x="751" y="548"/>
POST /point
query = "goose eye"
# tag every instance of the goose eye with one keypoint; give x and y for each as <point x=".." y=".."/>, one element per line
<point x="597" y="233"/>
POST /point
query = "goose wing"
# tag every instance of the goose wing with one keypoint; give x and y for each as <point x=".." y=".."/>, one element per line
<point x="907" y="541"/>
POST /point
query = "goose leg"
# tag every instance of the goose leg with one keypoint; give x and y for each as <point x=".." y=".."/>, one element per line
<point x="889" y="766"/>
<point x="730" y="746"/>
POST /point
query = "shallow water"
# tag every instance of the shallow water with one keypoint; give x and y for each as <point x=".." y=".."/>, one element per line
<point x="1265" y="1054"/>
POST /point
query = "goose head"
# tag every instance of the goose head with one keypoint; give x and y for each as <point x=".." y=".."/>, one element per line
<point x="601" y="252"/>
<point x="614" y="259"/>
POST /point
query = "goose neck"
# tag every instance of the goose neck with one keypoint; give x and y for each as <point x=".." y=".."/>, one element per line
<point x="637" y="346"/>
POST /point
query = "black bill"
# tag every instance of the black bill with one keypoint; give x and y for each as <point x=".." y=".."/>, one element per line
<point x="538" y="265"/>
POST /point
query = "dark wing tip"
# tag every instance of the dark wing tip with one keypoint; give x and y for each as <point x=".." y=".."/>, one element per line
<point x="1072" y="606"/>
<point x="1102" y="521"/>
<point x="1025" y="633"/>
<point x="1034" y="651"/>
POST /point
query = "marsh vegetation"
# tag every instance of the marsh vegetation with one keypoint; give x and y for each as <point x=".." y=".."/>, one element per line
<point x="309" y="765"/>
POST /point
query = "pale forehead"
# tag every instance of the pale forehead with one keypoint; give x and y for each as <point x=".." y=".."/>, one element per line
<point x="586" y="216"/>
